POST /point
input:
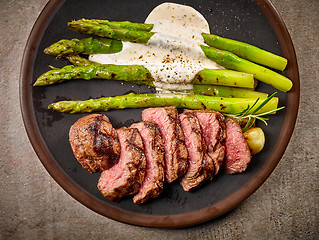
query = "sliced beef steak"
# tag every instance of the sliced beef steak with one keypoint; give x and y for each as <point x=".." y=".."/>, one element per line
<point x="174" y="142"/>
<point x="95" y="142"/>
<point x="237" y="151"/>
<point x="196" y="148"/>
<point x="213" y="130"/>
<point x="153" y="183"/>
<point x="126" y="177"/>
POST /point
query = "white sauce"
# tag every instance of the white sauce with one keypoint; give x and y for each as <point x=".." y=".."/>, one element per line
<point x="173" y="54"/>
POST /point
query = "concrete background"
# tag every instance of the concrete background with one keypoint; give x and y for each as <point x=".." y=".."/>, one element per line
<point x="33" y="206"/>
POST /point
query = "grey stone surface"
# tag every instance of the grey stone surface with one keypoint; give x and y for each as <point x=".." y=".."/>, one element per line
<point x="33" y="206"/>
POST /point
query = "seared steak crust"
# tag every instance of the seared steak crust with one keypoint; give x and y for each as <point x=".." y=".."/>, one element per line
<point x="174" y="141"/>
<point x="126" y="177"/>
<point x="213" y="129"/>
<point x="153" y="183"/>
<point x="238" y="155"/>
<point x="94" y="142"/>
<point x="196" y="148"/>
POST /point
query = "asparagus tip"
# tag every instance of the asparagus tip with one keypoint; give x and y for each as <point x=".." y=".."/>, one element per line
<point x="37" y="84"/>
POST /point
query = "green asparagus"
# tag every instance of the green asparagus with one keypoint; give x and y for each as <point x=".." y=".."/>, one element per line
<point x="225" y="78"/>
<point x="231" y="61"/>
<point x="87" y="69"/>
<point x="246" y="51"/>
<point x="131" y="73"/>
<point x="76" y="60"/>
<point x="224" y="91"/>
<point x="93" y="27"/>
<point x="124" y="24"/>
<point x="206" y="76"/>
<point x="225" y="105"/>
<point x="84" y="46"/>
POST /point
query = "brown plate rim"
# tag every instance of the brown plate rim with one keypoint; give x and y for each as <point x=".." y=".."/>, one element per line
<point x="174" y="221"/>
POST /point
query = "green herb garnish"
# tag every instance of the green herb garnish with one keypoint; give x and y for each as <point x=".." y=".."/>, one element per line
<point x="247" y="113"/>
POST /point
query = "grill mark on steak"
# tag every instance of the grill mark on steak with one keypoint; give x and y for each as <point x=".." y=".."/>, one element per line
<point x="153" y="183"/>
<point x="213" y="130"/>
<point x="208" y="167"/>
<point x="132" y="141"/>
<point x="219" y="148"/>
<point x="196" y="148"/>
<point x="174" y="142"/>
<point x="126" y="177"/>
<point x="94" y="142"/>
<point x="181" y="151"/>
<point x="238" y="155"/>
<point x="102" y="143"/>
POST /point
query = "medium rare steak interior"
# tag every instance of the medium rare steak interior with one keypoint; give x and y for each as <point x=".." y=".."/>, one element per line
<point x="196" y="148"/>
<point x="95" y="142"/>
<point x="237" y="151"/>
<point x="153" y="183"/>
<point x="176" y="155"/>
<point x="126" y="177"/>
<point x="213" y="129"/>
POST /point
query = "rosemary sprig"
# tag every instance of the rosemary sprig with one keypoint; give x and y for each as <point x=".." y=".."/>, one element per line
<point x="247" y="113"/>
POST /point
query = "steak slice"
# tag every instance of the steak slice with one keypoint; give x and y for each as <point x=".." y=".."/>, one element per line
<point x="94" y="142"/>
<point x="174" y="141"/>
<point x="126" y="177"/>
<point x="196" y="148"/>
<point x="238" y="154"/>
<point x="213" y="129"/>
<point x="153" y="183"/>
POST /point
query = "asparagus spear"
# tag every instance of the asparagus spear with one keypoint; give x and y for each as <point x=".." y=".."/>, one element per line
<point x="207" y="76"/>
<point x="124" y="24"/>
<point x="231" y="61"/>
<point x="103" y="30"/>
<point x="246" y="51"/>
<point x="86" y="69"/>
<point x="84" y="46"/>
<point x="76" y="60"/>
<point x="224" y="91"/>
<point x="211" y="90"/>
<point x="224" y="77"/>
<point x="132" y="73"/>
<point x="225" y="105"/>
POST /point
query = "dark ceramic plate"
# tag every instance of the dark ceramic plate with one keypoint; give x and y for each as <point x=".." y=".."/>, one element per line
<point x="255" y="22"/>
